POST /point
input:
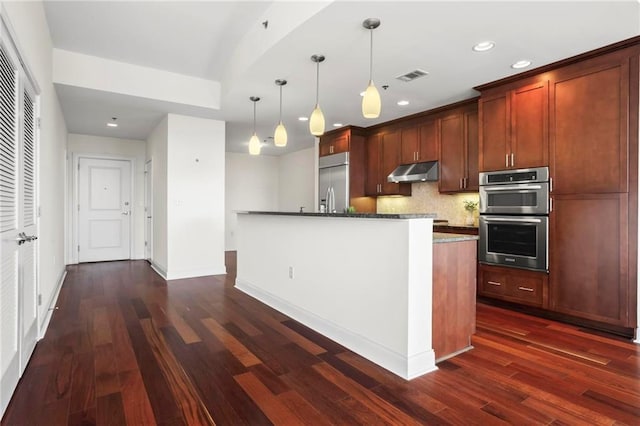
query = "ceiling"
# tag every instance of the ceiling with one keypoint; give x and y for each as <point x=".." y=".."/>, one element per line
<point x="226" y="41"/>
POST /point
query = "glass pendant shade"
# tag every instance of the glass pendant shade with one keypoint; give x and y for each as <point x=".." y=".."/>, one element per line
<point x="254" y="145"/>
<point x="280" y="135"/>
<point x="371" y="104"/>
<point x="316" y="122"/>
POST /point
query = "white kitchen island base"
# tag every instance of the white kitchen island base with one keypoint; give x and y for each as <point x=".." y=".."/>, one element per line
<point x="364" y="282"/>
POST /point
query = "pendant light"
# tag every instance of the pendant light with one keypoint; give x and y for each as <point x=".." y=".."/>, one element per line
<point x="280" y="135"/>
<point x="371" y="104"/>
<point x="316" y="122"/>
<point x="254" y="142"/>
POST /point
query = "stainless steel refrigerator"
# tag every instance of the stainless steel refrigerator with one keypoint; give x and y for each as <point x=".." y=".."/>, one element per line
<point x="333" y="180"/>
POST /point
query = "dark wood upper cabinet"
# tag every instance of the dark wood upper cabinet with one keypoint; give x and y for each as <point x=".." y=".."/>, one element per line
<point x="334" y="142"/>
<point x="451" y="153"/>
<point x="383" y="156"/>
<point x="419" y="143"/>
<point x="589" y="143"/>
<point x="410" y="145"/>
<point x="458" y="140"/>
<point x="514" y="127"/>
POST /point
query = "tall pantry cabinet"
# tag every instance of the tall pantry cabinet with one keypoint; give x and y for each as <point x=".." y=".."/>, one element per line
<point x="580" y="118"/>
<point x="594" y="164"/>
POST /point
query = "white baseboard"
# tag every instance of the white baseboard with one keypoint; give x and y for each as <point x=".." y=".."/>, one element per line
<point x="52" y="305"/>
<point x="637" y="339"/>
<point x="159" y="270"/>
<point x="193" y="273"/>
<point x="407" y="367"/>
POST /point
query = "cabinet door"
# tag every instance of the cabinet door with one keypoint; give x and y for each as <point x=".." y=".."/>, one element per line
<point x="373" y="165"/>
<point x="324" y="148"/>
<point x="589" y="140"/>
<point x="428" y="148"/>
<point x="589" y="263"/>
<point x="452" y="169"/>
<point x="390" y="159"/>
<point x="529" y="126"/>
<point x="409" y="146"/>
<point x="494" y="133"/>
<point x="471" y="141"/>
<point x="341" y="142"/>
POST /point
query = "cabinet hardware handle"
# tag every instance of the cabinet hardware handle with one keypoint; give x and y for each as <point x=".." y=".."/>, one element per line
<point x="550" y="184"/>
<point x="529" y="289"/>
<point x="550" y="204"/>
<point x="464" y="182"/>
<point x="460" y="183"/>
<point x="506" y="160"/>
<point x="417" y="155"/>
<point x="513" y="159"/>
<point x="494" y="283"/>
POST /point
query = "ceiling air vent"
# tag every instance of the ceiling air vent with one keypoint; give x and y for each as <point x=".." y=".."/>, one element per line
<point x="410" y="76"/>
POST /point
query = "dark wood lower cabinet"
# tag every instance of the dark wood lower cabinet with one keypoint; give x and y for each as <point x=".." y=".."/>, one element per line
<point x="514" y="285"/>
<point x="589" y="258"/>
<point x="454" y="297"/>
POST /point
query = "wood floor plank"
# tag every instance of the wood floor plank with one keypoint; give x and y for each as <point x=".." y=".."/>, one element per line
<point x="126" y="347"/>
<point x="109" y="410"/>
<point x="235" y="347"/>
<point x="192" y="408"/>
<point x="275" y="410"/>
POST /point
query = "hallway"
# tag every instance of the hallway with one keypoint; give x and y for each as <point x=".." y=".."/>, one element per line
<point x="126" y="347"/>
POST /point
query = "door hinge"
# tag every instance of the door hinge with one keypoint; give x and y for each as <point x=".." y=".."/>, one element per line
<point x="40" y="300"/>
<point x="78" y="247"/>
<point x="78" y="166"/>
<point x="145" y="243"/>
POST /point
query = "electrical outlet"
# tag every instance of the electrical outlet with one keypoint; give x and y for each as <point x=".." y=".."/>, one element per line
<point x="291" y="272"/>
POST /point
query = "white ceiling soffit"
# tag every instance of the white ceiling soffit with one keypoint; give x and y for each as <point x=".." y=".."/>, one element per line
<point x="226" y="41"/>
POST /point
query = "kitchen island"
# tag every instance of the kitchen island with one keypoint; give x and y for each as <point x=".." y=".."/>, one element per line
<point x="367" y="281"/>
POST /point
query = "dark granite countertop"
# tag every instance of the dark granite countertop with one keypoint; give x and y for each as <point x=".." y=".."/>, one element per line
<point x="353" y="215"/>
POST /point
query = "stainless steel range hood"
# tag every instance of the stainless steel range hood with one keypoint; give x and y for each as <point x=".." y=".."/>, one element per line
<point x="419" y="172"/>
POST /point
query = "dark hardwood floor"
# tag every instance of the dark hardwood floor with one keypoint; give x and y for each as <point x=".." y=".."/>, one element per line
<point x="125" y="347"/>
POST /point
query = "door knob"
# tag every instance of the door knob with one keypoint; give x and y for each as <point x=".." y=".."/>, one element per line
<point x="125" y="213"/>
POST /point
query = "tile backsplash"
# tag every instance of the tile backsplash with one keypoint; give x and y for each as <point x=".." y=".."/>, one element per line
<point x="425" y="198"/>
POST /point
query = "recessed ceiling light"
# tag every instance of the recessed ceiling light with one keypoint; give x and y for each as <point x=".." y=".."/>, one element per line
<point x="403" y="103"/>
<point x="362" y="94"/>
<point x="521" y="64"/>
<point x="303" y="118"/>
<point x="112" y="123"/>
<point x="338" y="124"/>
<point x="483" y="46"/>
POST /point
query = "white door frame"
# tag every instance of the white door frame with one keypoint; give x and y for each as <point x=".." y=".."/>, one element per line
<point x="75" y="223"/>
<point x="148" y="210"/>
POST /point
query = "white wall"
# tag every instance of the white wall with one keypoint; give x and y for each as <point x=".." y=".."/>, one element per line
<point x="195" y="196"/>
<point x="251" y="184"/>
<point x="297" y="173"/>
<point x="157" y="153"/>
<point x="28" y="21"/>
<point x="121" y="148"/>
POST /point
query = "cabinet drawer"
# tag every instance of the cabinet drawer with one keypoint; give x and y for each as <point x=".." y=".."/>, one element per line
<point x="493" y="284"/>
<point x="527" y="290"/>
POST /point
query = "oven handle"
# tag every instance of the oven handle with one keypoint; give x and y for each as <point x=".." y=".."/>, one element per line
<point x="511" y="187"/>
<point x="511" y="219"/>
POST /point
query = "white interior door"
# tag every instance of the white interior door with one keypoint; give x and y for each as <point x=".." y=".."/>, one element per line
<point x="104" y="203"/>
<point x="18" y="220"/>
<point x="148" y="211"/>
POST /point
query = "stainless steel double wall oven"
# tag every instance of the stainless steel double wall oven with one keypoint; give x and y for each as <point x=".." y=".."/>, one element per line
<point x="514" y="218"/>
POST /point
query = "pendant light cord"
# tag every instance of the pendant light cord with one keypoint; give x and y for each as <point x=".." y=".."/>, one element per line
<point x="371" y="56"/>
<point x="317" y="82"/>
<point x="254" y="117"/>
<point x="280" y="104"/>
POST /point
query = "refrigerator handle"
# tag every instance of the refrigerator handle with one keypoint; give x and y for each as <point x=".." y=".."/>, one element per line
<point x="328" y="199"/>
